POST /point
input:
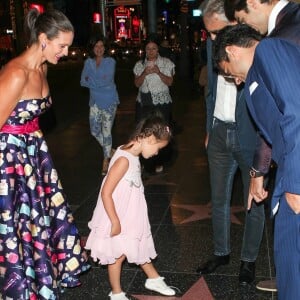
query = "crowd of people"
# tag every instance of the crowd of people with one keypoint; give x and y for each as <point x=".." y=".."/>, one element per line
<point x="252" y="121"/>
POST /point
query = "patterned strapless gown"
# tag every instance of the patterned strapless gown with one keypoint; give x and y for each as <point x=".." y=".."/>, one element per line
<point x="40" y="249"/>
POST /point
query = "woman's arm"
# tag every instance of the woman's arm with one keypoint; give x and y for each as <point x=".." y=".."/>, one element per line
<point x="12" y="83"/>
<point x="115" y="174"/>
<point x="85" y="78"/>
<point x="139" y="79"/>
<point x="168" y="80"/>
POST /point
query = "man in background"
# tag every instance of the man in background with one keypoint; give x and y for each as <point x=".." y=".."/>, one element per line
<point x="230" y="143"/>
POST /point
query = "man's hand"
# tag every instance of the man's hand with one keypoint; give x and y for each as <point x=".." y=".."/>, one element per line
<point x="293" y="201"/>
<point x="256" y="191"/>
<point x="206" y="140"/>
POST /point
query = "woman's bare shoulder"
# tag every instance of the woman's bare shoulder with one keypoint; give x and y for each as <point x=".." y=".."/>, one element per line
<point x="14" y="75"/>
<point x="14" y="68"/>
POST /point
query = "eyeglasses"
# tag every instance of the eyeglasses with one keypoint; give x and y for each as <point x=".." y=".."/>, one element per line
<point x="228" y="76"/>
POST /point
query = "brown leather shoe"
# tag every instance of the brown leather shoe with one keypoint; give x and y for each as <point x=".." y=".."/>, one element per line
<point x="267" y="285"/>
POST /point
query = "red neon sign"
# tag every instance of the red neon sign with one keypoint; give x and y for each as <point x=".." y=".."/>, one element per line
<point x="40" y="8"/>
<point x="122" y="25"/>
<point x="96" y="18"/>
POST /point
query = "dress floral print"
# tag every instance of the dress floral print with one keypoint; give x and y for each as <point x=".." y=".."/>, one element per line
<point x="40" y="247"/>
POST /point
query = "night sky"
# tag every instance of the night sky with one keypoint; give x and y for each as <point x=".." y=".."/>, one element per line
<point x="80" y="14"/>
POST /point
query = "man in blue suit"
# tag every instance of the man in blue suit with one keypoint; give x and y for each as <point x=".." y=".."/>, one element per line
<point x="230" y="143"/>
<point x="274" y="18"/>
<point x="271" y="71"/>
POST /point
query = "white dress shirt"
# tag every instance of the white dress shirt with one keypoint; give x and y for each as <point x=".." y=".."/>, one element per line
<point x="225" y="100"/>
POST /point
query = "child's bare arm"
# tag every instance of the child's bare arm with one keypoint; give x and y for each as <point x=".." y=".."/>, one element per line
<point x="115" y="174"/>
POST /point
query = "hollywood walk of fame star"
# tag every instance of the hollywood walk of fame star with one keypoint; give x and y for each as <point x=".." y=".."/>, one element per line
<point x="199" y="291"/>
<point x="203" y="211"/>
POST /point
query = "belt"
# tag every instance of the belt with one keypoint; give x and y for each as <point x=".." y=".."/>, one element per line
<point x="216" y="120"/>
<point x="30" y="127"/>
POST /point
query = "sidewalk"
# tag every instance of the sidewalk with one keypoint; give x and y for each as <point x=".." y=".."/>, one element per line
<point x="178" y="204"/>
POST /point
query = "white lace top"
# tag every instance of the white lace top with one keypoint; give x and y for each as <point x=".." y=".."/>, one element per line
<point x="158" y="89"/>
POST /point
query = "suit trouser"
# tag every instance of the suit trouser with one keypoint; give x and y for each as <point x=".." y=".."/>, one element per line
<point x="224" y="157"/>
<point x="287" y="252"/>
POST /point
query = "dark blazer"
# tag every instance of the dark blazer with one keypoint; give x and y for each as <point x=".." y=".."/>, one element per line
<point x="272" y="91"/>
<point x="287" y="23"/>
<point x="287" y="27"/>
<point x="246" y="128"/>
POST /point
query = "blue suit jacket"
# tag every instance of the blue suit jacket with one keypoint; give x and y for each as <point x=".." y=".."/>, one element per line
<point x="246" y="128"/>
<point x="287" y="27"/>
<point x="272" y="92"/>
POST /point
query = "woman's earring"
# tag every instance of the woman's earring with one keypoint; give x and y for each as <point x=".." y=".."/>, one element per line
<point x="43" y="46"/>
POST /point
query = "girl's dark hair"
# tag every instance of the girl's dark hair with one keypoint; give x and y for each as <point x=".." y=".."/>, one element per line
<point x="153" y="124"/>
<point x="93" y="41"/>
<point x="50" y="22"/>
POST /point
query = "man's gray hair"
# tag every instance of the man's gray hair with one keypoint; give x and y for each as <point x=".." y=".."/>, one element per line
<point x="210" y="7"/>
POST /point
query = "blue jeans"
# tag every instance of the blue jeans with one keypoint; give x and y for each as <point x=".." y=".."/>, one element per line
<point x="224" y="157"/>
<point x="101" y="122"/>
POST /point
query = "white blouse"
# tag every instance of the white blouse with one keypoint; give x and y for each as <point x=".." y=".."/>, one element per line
<point x="153" y="83"/>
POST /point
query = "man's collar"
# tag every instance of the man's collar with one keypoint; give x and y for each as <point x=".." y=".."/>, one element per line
<point x="274" y="13"/>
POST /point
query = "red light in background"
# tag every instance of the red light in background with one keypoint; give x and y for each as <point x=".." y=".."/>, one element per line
<point x="96" y="18"/>
<point x="135" y="21"/>
<point x="40" y="8"/>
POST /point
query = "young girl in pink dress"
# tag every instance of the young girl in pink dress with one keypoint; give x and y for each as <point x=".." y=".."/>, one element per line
<point x="120" y="226"/>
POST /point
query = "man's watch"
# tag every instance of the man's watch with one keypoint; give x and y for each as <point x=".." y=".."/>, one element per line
<point x="254" y="173"/>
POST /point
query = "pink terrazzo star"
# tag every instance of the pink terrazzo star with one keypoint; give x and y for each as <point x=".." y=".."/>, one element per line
<point x="199" y="291"/>
<point x="202" y="212"/>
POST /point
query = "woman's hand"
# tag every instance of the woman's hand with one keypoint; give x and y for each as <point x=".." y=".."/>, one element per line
<point x="115" y="228"/>
<point x="149" y="70"/>
<point x="155" y="69"/>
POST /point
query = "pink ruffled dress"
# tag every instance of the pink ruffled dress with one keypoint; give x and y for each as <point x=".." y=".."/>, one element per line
<point x="135" y="240"/>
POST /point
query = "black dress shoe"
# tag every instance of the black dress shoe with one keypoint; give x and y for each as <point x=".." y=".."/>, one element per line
<point x="212" y="264"/>
<point x="247" y="272"/>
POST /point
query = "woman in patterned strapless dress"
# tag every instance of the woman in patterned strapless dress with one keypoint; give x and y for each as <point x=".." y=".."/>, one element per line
<point x="40" y="247"/>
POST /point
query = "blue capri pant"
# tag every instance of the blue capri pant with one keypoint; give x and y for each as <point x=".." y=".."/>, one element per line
<point x="101" y="122"/>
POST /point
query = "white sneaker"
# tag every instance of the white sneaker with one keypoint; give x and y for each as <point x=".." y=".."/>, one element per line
<point x="158" y="285"/>
<point x="120" y="296"/>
